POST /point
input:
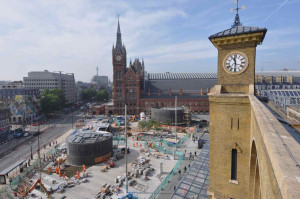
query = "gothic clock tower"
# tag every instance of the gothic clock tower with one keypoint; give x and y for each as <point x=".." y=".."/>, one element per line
<point x="230" y="110"/>
<point x="119" y="69"/>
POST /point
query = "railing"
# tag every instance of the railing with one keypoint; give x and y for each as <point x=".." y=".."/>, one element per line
<point x="169" y="176"/>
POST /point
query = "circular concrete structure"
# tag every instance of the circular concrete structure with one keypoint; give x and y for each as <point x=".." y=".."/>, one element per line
<point x="88" y="147"/>
<point x="167" y="115"/>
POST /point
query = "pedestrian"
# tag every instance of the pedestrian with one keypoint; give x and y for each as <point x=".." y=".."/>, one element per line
<point x="184" y="151"/>
<point x="189" y="166"/>
<point x="184" y="169"/>
<point x="179" y="171"/>
<point x="195" y="154"/>
<point x="174" y="188"/>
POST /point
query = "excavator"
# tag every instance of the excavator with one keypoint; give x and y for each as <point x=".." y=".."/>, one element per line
<point x="132" y="119"/>
<point x="38" y="181"/>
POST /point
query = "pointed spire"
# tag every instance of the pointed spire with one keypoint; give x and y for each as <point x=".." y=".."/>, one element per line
<point x="119" y="29"/>
<point x="119" y="38"/>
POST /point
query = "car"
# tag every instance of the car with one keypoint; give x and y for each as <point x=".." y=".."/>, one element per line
<point x="26" y="134"/>
<point x="18" y="135"/>
<point x="100" y="118"/>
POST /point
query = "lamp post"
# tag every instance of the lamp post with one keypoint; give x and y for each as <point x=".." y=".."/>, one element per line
<point x="31" y="156"/>
<point x="126" y="161"/>
<point x="72" y="117"/>
<point x="38" y="150"/>
<point x="175" y="127"/>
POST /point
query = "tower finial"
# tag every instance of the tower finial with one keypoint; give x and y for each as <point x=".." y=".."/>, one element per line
<point x="119" y="30"/>
<point x="119" y="38"/>
<point x="237" y="21"/>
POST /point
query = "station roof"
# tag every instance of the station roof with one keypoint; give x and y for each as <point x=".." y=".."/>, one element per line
<point x="238" y="30"/>
<point x="168" y="76"/>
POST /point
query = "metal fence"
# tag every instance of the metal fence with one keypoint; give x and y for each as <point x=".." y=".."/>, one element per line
<point x="170" y="175"/>
<point x="29" y="171"/>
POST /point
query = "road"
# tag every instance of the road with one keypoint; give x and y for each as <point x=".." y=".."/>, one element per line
<point x="62" y="125"/>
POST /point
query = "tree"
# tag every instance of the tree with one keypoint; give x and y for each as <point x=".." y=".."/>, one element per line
<point x="142" y="124"/>
<point x="52" y="100"/>
<point x="102" y="95"/>
<point x="88" y="94"/>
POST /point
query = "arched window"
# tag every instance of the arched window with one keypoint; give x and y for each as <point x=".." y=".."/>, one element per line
<point x="233" y="164"/>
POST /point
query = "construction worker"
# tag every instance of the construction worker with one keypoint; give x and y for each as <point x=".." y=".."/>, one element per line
<point x="64" y="176"/>
<point x="83" y="166"/>
<point x="56" y="170"/>
<point x="59" y="173"/>
<point x="78" y="175"/>
<point x="49" y="169"/>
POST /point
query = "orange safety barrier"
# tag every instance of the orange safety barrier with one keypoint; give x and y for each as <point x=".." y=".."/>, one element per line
<point x="83" y="166"/>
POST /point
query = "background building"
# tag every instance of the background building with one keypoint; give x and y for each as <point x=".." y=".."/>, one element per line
<point x="50" y="80"/>
<point x="4" y="124"/>
<point x="99" y="82"/>
<point x="11" y="85"/>
<point x="23" y="103"/>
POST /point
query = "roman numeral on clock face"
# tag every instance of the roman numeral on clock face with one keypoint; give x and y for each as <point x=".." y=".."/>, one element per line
<point x="235" y="63"/>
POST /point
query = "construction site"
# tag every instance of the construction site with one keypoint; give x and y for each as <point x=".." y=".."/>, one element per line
<point x="89" y="162"/>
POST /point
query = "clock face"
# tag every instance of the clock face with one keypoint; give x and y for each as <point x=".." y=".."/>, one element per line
<point x="235" y="63"/>
<point x="118" y="58"/>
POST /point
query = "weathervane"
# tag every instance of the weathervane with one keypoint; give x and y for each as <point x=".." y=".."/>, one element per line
<point x="237" y="17"/>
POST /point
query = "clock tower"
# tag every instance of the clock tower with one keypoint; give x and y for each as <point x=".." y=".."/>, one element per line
<point x="230" y="110"/>
<point x="119" y="69"/>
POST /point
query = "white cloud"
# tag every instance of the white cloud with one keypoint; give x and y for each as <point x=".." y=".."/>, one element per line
<point x="77" y="35"/>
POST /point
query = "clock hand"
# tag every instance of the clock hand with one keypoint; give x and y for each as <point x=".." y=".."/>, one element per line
<point x="234" y="62"/>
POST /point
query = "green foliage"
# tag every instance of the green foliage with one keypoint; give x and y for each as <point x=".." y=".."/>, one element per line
<point x="88" y="94"/>
<point x="168" y="122"/>
<point x="52" y="100"/>
<point x="149" y="124"/>
<point x="102" y="95"/>
<point x="142" y="124"/>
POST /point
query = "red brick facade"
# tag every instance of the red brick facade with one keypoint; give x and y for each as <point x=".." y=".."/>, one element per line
<point x="129" y="83"/>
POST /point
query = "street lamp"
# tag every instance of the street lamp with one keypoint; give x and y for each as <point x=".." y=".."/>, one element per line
<point x="72" y="117"/>
<point x="31" y="156"/>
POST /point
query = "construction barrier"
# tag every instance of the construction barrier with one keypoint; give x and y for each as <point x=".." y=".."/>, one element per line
<point x="168" y="178"/>
<point x="33" y="168"/>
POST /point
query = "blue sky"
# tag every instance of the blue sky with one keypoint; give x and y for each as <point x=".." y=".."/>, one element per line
<point x="171" y="35"/>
